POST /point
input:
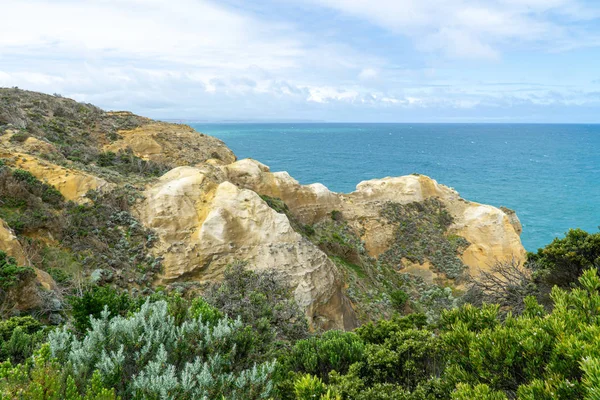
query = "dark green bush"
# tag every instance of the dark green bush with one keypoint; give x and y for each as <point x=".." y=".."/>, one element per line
<point x="11" y="273"/>
<point x="562" y="262"/>
<point x="332" y="351"/>
<point x="93" y="302"/>
<point x="20" y="336"/>
<point x="399" y="298"/>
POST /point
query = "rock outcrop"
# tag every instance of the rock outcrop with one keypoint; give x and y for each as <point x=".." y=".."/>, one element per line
<point x="211" y="210"/>
<point x="35" y="291"/>
<point x="492" y="233"/>
<point x="171" y="144"/>
<point x="204" y="225"/>
<point x="73" y="184"/>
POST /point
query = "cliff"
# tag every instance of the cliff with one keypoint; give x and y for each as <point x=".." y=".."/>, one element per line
<point x="141" y="204"/>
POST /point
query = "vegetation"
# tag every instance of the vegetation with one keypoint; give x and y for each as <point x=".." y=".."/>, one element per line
<point x="421" y="235"/>
<point x="261" y="301"/>
<point x="246" y="339"/>
<point x="11" y="273"/>
<point x="522" y="331"/>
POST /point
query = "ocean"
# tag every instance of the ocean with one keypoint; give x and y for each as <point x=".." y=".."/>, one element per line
<point x="549" y="174"/>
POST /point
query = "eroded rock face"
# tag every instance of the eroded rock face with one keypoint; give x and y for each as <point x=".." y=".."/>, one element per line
<point x="309" y="202"/>
<point x="10" y="244"/>
<point x="493" y="234"/>
<point x="28" y="295"/>
<point x="171" y="144"/>
<point x="71" y="183"/>
<point x="204" y="225"/>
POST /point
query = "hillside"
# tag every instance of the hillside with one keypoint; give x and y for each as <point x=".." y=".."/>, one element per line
<point x="95" y="198"/>
<point x="142" y="260"/>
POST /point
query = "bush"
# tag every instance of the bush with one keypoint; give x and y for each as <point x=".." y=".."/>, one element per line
<point x="334" y="350"/>
<point x="94" y="302"/>
<point x="562" y="262"/>
<point x="479" y="392"/>
<point x="309" y="387"/>
<point x="421" y="235"/>
<point x="148" y="356"/>
<point x="11" y="273"/>
<point x="125" y="162"/>
<point x="399" y="298"/>
<point x="43" y="378"/>
<point x="261" y="300"/>
<point x="20" y="337"/>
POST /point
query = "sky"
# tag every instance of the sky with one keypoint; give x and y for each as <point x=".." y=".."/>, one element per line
<point x="312" y="60"/>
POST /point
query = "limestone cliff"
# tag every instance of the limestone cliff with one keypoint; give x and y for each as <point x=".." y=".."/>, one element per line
<point x="160" y="204"/>
<point x="491" y="232"/>
<point x="204" y="225"/>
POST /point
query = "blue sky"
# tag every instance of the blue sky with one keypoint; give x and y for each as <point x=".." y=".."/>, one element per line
<point x="321" y="60"/>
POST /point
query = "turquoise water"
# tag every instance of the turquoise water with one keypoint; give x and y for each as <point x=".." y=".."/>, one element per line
<point x="549" y="174"/>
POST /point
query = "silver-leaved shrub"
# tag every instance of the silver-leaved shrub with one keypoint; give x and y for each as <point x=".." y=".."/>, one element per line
<point x="149" y="356"/>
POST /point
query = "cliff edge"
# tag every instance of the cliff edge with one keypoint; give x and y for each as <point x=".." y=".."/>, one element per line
<point x="126" y="201"/>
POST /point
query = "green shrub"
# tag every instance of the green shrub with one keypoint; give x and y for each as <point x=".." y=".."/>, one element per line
<point x="19" y="137"/>
<point x="261" y="300"/>
<point x="201" y="309"/>
<point x="399" y="298"/>
<point x="479" y="392"/>
<point x="20" y="336"/>
<point x="148" y="356"/>
<point x="94" y="301"/>
<point x="46" y="192"/>
<point x="319" y="355"/>
<point x="378" y="332"/>
<point x="309" y="387"/>
<point x="125" y="162"/>
<point x="11" y="273"/>
<point x="562" y="262"/>
<point x="43" y="378"/>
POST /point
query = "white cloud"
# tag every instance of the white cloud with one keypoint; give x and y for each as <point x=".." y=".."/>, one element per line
<point x="472" y="28"/>
<point x="368" y="73"/>
<point x="201" y="58"/>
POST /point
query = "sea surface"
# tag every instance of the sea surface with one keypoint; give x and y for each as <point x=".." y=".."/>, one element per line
<point x="549" y="174"/>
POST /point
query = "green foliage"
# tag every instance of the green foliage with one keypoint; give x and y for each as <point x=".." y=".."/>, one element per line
<point x="201" y="309"/>
<point x="46" y="192"/>
<point x="421" y="236"/>
<point x="563" y="261"/>
<point x="94" y="301"/>
<point x="309" y="387"/>
<point x="261" y="300"/>
<point x="479" y="392"/>
<point x="11" y="273"/>
<point x="106" y="236"/>
<point x="149" y="356"/>
<point x="20" y="336"/>
<point x="43" y="378"/>
<point x="399" y="298"/>
<point x="319" y="355"/>
<point x="125" y="162"/>
<point x="26" y="203"/>
<point x="336" y="215"/>
<point x="591" y="378"/>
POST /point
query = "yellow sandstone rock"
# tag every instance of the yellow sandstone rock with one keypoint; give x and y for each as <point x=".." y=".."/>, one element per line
<point x="205" y="225"/>
<point x="493" y="234"/>
<point x="171" y="144"/>
<point x="72" y="184"/>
